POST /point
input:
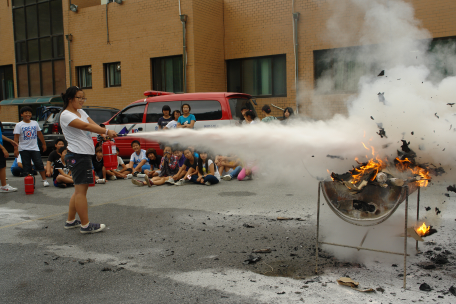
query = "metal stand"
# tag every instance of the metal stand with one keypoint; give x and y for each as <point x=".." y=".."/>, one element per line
<point x="369" y="249"/>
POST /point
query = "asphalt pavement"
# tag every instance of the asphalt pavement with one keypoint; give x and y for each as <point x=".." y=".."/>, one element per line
<point x="188" y="244"/>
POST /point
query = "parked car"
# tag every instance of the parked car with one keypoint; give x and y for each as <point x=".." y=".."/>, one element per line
<point x="8" y="128"/>
<point x="43" y="112"/>
<point x="52" y="130"/>
<point x="211" y="110"/>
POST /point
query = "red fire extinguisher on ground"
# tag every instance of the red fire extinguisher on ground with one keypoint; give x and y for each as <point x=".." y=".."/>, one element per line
<point x="93" y="181"/>
<point x="29" y="183"/>
<point x="109" y="155"/>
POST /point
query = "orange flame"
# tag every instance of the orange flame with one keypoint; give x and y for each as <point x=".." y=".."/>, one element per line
<point x="423" y="230"/>
<point x="373" y="165"/>
<point x="365" y="146"/>
<point x="406" y="164"/>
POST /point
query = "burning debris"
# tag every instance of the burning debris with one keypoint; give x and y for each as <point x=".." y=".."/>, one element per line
<point x="403" y="170"/>
<point x="451" y="188"/>
<point x="382" y="133"/>
<point x="450" y="104"/>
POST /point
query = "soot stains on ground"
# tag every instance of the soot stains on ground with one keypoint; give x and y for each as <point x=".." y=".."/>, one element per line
<point x="170" y="240"/>
<point x="237" y="193"/>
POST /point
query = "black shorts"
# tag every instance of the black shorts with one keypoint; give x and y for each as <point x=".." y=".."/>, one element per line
<point x="2" y="160"/>
<point x="80" y="166"/>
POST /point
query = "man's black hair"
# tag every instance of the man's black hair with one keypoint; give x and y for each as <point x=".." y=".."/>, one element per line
<point x="251" y="114"/>
<point x="26" y="109"/>
<point x="135" y="142"/>
<point x="166" y="108"/>
<point x="59" y="140"/>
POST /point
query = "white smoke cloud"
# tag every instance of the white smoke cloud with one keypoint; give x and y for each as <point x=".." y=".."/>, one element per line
<point x="415" y="109"/>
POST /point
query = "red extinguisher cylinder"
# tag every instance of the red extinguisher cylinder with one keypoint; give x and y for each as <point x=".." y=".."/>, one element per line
<point x="109" y="155"/>
<point x="29" y="183"/>
<point x="93" y="180"/>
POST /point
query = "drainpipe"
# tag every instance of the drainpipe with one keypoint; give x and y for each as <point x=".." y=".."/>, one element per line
<point x="183" y="19"/>
<point x="69" y="38"/>
<point x="295" y="42"/>
<point x="107" y="27"/>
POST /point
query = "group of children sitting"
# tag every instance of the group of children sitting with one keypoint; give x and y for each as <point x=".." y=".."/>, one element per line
<point x="180" y="165"/>
<point x="177" y="166"/>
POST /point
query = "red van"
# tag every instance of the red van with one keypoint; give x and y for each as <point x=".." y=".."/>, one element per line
<point x="211" y="110"/>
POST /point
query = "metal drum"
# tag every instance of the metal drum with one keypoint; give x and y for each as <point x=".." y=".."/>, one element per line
<point x="371" y="206"/>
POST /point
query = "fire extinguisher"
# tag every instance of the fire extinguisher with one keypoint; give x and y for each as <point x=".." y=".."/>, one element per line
<point x="109" y="155"/>
<point x="93" y="181"/>
<point x="29" y="183"/>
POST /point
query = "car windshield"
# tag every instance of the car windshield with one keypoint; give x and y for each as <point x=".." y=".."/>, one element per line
<point x="52" y="118"/>
<point x="236" y="104"/>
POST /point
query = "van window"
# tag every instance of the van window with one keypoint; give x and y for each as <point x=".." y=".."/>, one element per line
<point x="205" y="109"/>
<point x="154" y="110"/>
<point x="129" y="116"/>
<point x="99" y="116"/>
<point x="236" y="104"/>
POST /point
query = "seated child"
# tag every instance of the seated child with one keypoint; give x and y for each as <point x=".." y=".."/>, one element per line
<point x="61" y="175"/>
<point x="248" y="171"/>
<point x="188" y="168"/>
<point x="207" y="171"/>
<point x="138" y="160"/>
<point x="232" y="167"/>
<point x="118" y="173"/>
<point x="16" y="167"/>
<point x="53" y="156"/>
<point x="154" y="163"/>
<point x="169" y="166"/>
<point x="98" y="166"/>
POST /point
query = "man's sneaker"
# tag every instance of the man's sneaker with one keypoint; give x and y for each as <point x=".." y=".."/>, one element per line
<point x="45" y="183"/>
<point x="170" y="181"/>
<point x="112" y="177"/>
<point x="75" y="224"/>
<point x="7" y="188"/>
<point x="101" y="181"/>
<point x="93" y="228"/>
<point x="207" y="183"/>
<point x="148" y="182"/>
<point x="179" y="182"/>
<point x="129" y="176"/>
<point x="227" y="177"/>
<point x="137" y="182"/>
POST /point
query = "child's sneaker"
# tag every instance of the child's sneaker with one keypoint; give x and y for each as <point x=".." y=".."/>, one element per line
<point x="140" y="175"/>
<point x="112" y="177"/>
<point x="101" y="181"/>
<point x="179" y="182"/>
<point x="170" y="181"/>
<point x="227" y="177"/>
<point x="208" y="183"/>
<point x="7" y="188"/>
<point x="129" y="176"/>
<point x="137" y="182"/>
<point x="136" y="174"/>
<point x="75" y="224"/>
<point x="148" y="181"/>
<point x="93" y="228"/>
<point x="45" y="183"/>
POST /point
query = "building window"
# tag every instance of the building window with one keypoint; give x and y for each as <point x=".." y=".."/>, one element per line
<point x="6" y="82"/>
<point x="339" y="70"/>
<point x="38" y="37"/>
<point x="112" y="74"/>
<point x="167" y="74"/>
<point x="442" y="52"/>
<point x="260" y="76"/>
<point x="85" y="76"/>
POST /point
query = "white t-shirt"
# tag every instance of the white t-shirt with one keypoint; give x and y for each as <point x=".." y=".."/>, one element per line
<point x="172" y="124"/>
<point x="216" y="173"/>
<point x="28" y="134"/>
<point x="120" y="161"/>
<point x="136" y="159"/>
<point x="79" y="141"/>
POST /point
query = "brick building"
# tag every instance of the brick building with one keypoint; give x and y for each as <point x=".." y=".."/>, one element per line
<point x="118" y="51"/>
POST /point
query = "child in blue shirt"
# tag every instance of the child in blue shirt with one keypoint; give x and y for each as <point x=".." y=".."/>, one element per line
<point x="187" y="120"/>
